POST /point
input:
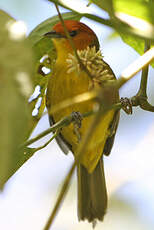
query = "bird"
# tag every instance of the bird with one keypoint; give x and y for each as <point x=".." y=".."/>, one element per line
<point x="63" y="85"/>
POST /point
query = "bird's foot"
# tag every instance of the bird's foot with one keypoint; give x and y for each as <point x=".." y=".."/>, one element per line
<point x="77" y="118"/>
<point x="77" y="121"/>
<point x="126" y="105"/>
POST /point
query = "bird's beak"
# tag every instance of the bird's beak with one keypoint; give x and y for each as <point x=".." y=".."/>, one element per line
<point x="54" y="34"/>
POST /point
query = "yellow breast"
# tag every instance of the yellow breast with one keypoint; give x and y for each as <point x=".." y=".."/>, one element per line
<point x="63" y="85"/>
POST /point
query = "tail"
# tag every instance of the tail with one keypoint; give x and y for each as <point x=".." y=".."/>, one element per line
<point x="92" y="195"/>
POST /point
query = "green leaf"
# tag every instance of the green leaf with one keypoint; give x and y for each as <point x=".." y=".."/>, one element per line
<point x="23" y="155"/>
<point x="136" y="43"/>
<point x="16" y="67"/>
<point x="139" y="14"/>
<point x="106" y="5"/>
<point x="138" y="8"/>
<point x="43" y="47"/>
<point x="118" y="24"/>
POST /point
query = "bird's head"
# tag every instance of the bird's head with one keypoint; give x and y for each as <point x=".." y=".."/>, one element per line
<point x="82" y="36"/>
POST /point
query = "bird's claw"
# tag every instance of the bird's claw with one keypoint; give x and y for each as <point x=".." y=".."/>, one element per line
<point x="77" y="121"/>
<point x="77" y="118"/>
<point x="126" y="105"/>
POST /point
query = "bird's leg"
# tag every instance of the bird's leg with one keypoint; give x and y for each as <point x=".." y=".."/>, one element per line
<point x="77" y="121"/>
<point x="126" y="105"/>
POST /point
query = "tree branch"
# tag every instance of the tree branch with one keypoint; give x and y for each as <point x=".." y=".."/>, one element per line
<point x="60" y="124"/>
<point x="141" y="99"/>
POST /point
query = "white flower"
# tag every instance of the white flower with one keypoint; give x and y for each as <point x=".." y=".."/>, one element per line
<point x="93" y="61"/>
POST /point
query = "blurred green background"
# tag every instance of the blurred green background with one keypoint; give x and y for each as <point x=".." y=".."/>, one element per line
<point x="30" y="194"/>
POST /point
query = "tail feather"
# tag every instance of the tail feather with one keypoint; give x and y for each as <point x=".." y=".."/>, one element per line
<point x="92" y="194"/>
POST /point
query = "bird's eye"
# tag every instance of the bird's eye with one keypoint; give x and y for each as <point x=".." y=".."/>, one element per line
<point x="73" y="33"/>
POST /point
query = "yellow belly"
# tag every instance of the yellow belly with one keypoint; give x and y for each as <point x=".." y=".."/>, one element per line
<point x="63" y="86"/>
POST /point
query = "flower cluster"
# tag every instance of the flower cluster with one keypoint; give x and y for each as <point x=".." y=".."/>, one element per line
<point x="93" y="61"/>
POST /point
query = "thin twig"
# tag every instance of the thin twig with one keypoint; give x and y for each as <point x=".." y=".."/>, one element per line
<point x="141" y="99"/>
<point x="81" y="149"/>
<point x="83" y="67"/>
<point x="115" y="23"/>
<point x="60" y="197"/>
<point x="48" y="142"/>
<point x="144" y="77"/>
<point x="62" y="123"/>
